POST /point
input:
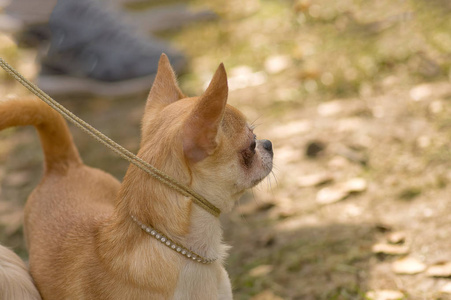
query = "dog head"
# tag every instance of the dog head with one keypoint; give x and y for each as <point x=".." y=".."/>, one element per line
<point x="202" y="141"/>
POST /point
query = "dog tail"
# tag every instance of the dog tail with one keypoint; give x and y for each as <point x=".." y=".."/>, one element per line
<point x="15" y="281"/>
<point x="56" y="140"/>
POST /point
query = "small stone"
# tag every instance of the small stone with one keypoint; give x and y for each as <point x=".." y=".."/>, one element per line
<point x="153" y="232"/>
<point x="384" y="295"/>
<point x="179" y="249"/>
<point x="157" y="236"/>
<point x="408" y="266"/>
<point x="446" y="289"/>
<point x="439" y="270"/>
<point x="390" y="249"/>
<point x="420" y="92"/>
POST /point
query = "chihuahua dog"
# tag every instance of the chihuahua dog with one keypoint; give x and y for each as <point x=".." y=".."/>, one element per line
<point x="91" y="237"/>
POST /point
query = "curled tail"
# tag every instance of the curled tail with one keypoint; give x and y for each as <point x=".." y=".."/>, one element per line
<point x="56" y="140"/>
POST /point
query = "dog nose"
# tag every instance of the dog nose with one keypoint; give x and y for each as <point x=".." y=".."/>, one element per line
<point x="267" y="145"/>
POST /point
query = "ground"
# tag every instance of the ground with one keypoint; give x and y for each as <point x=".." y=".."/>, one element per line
<point x="356" y="98"/>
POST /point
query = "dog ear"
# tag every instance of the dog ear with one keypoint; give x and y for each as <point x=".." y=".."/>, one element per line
<point x="202" y="125"/>
<point x="165" y="89"/>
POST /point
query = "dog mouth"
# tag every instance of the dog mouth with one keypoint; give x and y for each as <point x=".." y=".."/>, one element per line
<point x="267" y="169"/>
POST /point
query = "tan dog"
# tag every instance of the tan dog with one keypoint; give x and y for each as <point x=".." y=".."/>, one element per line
<point x="82" y="240"/>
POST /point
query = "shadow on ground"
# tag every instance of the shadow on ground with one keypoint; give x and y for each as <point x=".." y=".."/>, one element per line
<point x="298" y="258"/>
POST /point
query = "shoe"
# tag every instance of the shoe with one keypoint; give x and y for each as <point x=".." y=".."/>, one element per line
<point x="92" y="51"/>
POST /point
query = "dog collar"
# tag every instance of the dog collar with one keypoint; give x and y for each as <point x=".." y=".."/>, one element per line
<point x="173" y="245"/>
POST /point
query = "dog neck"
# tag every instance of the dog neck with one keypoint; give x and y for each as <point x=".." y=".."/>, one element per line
<point x="205" y="235"/>
<point x="170" y="213"/>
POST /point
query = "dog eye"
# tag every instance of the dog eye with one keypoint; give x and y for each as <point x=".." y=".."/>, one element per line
<point x="253" y="145"/>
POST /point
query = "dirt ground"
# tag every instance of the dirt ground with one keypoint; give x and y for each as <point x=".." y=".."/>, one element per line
<point x="356" y="98"/>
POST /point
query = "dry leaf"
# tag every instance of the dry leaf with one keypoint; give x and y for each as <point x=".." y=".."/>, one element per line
<point x="261" y="270"/>
<point x="315" y="179"/>
<point x="397" y="237"/>
<point x="439" y="270"/>
<point x="408" y="266"/>
<point x="338" y="192"/>
<point x="390" y="249"/>
<point x="330" y="195"/>
<point x="356" y="185"/>
<point x="384" y="295"/>
<point x="266" y="295"/>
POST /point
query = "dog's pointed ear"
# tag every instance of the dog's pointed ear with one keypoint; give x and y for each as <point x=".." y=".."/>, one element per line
<point x="200" y="131"/>
<point x="165" y="89"/>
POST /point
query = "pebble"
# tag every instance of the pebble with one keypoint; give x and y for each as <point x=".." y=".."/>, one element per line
<point x="420" y="92"/>
<point x="408" y="266"/>
<point x="390" y="249"/>
<point x="384" y="295"/>
<point x="439" y="270"/>
<point x="446" y="289"/>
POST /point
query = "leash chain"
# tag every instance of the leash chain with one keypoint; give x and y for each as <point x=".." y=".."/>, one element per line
<point x="115" y="147"/>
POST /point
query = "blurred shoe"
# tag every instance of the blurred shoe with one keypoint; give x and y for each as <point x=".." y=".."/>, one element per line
<point x="110" y="68"/>
<point x="33" y="31"/>
<point x="168" y="17"/>
<point x="92" y="51"/>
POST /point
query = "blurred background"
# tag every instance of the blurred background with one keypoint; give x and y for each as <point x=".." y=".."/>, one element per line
<point x="355" y="96"/>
